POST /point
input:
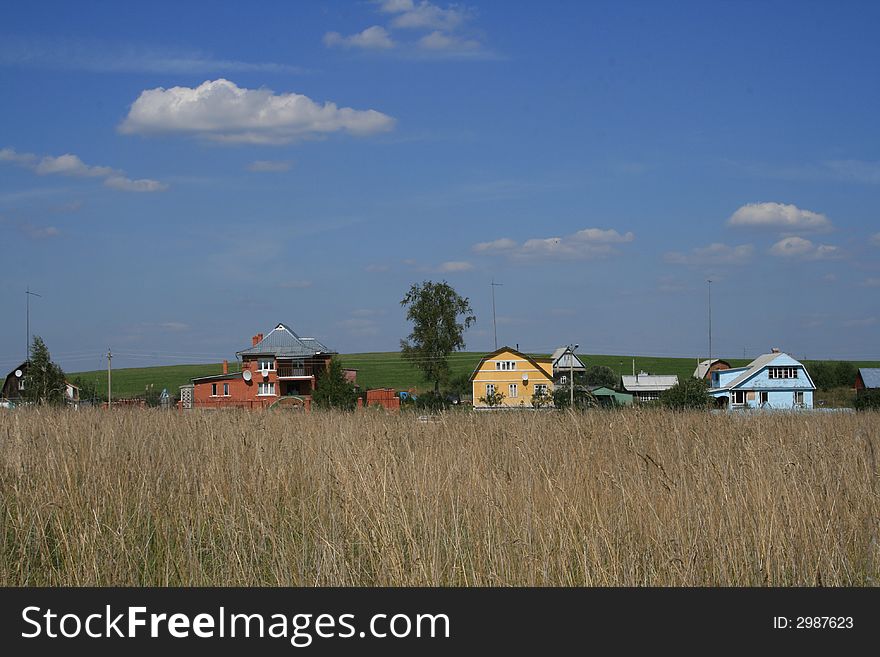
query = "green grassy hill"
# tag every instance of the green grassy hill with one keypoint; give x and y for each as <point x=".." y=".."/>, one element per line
<point x="375" y="370"/>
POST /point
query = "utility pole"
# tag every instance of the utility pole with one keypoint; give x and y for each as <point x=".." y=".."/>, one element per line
<point x="571" y="370"/>
<point x="494" y="327"/>
<point x="109" y="369"/>
<point x="29" y="294"/>
<point x="709" y="291"/>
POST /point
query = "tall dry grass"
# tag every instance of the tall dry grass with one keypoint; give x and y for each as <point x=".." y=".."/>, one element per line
<point x="605" y="498"/>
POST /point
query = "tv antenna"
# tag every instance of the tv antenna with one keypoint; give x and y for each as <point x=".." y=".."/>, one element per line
<point x="29" y="294"/>
<point x="494" y="326"/>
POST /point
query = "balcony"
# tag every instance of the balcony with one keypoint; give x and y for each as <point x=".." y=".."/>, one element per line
<point x="292" y="371"/>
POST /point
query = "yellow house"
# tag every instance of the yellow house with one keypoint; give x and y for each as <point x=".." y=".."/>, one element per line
<point x="512" y="376"/>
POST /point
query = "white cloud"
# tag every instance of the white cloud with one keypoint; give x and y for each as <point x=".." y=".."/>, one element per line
<point x="875" y="239"/>
<point x="779" y="216"/>
<point x="454" y="266"/>
<point x="440" y="41"/>
<point x="174" y="326"/>
<point x="799" y="248"/>
<point x="713" y="254"/>
<point x="42" y="233"/>
<point x="144" y="185"/>
<point x="376" y="268"/>
<point x="372" y="38"/>
<point x="223" y="111"/>
<point x="360" y="326"/>
<point x="72" y="166"/>
<point x="860" y="323"/>
<point x="584" y="244"/>
<point x="871" y="282"/>
<point x="270" y="166"/>
<point x="856" y="170"/>
<point x="424" y="15"/>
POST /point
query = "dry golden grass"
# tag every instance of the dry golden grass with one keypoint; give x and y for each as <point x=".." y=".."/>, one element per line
<point x="605" y="498"/>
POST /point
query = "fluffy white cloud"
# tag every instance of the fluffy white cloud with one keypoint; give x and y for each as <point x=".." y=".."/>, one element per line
<point x="372" y="38"/>
<point x="713" y="254"/>
<point x="223" y="111"/>
<point x="779" y="216"/>
<point x="798" y="247"/>
<point x="584" y="244"/>
<point x="71" y="165"/>
<point x="424" y="15"/>
<point x="270" y="166"/>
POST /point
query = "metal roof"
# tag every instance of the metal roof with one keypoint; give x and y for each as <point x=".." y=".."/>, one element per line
<point x="870" y="376"/>
<point x="561" y="353"/>
<point x="649" y="382"/>
<point x="282" y="342"/>
<point x="752" y="368"/>
<point x="704" y="365"/>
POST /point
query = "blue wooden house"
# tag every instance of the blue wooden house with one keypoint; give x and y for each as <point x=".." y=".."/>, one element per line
<point x="771" y="381"/>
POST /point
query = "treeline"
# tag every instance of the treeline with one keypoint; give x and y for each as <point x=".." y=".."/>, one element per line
<point x="828" y="374"/>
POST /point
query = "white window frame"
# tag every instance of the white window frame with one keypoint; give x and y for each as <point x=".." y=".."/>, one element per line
<point x="741" y="394"/>
<point x="798" y="397"/>
<point x="269" y="368"/>
<point x="764" y="396"/>
<point x="513" y="390"/>
<point x="505" y="365"/>
<point x="225" y="389"/>
<point x="490" y="389"/>
<point x="213" y="389"/>
<point x="266" y="389"/>
<point x="540" y="389"/>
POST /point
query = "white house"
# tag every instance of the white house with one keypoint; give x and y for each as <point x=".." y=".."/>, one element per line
<point x="646" y="387"/>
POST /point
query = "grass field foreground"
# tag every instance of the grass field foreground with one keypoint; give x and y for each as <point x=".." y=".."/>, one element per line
<point x="641" y="497"/>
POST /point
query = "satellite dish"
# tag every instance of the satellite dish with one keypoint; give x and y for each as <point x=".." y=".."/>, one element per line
<point x="18" y="374"/>
<point x="246" y="375"/>
<point x="525" y="378"/>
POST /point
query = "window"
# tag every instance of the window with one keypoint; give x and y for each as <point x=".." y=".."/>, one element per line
<point x="213" y="389"/>
<point x="267" y="364"/>
<point x="21" y="383"/>
<point x="563" y="379"/>
<point x="505" y="365"/>
<point x="490" y="389"/>
<point x="648" y="396"/>
<point x="512" y="390"/>
<point x="225" y="389"/>
<point x="799" y="397"/>
<point x="782" y="372"/>
<point x="266" y="389"/>
<point x="540" y="389"/>
<point x="765" y="397"/>
<point x="739" y="396"/>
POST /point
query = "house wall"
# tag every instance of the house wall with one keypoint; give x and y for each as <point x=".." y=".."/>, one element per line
<point x="780" y="392"/>
<point x="488" y="374"/>
<point x="723" y="377"/>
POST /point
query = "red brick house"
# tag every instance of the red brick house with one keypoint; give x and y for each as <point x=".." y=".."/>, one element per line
<point x="279" y="368"/>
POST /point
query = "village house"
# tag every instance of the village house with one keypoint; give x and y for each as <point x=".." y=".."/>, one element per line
<point x="706" y="367"/>
<point x="12" y="392"/>
<point x="867" y="378"/>
<point x="771" y="381"/>
<point x="566" y="364"/>
<point x="512" y="374"/>
<point x="278" y="368"/>
<point x="646" y="387"/>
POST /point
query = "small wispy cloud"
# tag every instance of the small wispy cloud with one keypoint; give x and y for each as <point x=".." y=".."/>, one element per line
<point x="174" y="326"/>
<point x="861" y="322"/>
<point x="39" y="232"/>
<point x="716" y="253"/>
<point x="875" y="239"/>
<point x="454" y="266"/>
<point x="269" y="166"/>
<point x="72" y="166"/>
<point x="372" y="38"/>
<point x="295" y="285"/>
<point x="584" y="244"/>
<point x="376" y="268"/>
<point x="360" y="326"/>
<point x="871" y="282"/>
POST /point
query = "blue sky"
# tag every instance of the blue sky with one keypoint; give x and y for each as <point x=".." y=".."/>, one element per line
<point x="175" y="177"/>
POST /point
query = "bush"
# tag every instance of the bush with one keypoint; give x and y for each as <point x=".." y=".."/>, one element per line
<point x="601" y="375"/>
<point x="334" y="390"/>
<point x="869" y="400"/>
<point x="687" y="394"/>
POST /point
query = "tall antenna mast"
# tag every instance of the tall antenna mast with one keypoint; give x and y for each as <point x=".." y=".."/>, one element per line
<point x="709" y="292"/>
<point x="29" y="294"/>
<point x="494" y="326"/>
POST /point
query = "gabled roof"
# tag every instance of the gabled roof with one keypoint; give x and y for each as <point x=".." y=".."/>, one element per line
<point x="756" y="366"/>
<point x="870" y="376"/>
<point x="282" y="342"/>
<point x="562" y="351"/>
<point x="533" y="361"/>
<point x="649" y="382"/>
<point x="704" y="365"/>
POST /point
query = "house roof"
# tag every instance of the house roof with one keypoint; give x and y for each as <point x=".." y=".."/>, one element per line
<point x="282" y="342"/>
<point x="562" y="351"/>
<point x="217" y="377"/>
<point x="534" y="361"/>
<point x="649" y="382"/>
<point x="754" y="367"/>
<point x="870" y="376"/>
<point x="22" y="367"/>
<point x="704" y="365"/>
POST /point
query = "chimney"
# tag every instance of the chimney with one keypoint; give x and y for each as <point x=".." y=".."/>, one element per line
<point x="225" y="366"/>
<point x="256" y="339"/>
<point x="775" y="350"/>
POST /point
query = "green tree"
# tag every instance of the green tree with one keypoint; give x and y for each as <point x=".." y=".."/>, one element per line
<point x="493" y="399"/>
<point x="869" y="400"/>
<point x="334" y="390"/>
<point x="689" y="393"/>
<point x="439" y="316"/>
<point x="601" y="375"/>
<point x="88" y="391"/>
<point x="583" y="398"/>
<point x="44" y="382"/>
<point x="542" y="399"/>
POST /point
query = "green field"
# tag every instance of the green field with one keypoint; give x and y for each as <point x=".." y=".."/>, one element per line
<point x="376" y="370"/>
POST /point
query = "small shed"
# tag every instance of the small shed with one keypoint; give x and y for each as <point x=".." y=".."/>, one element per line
<point x="867" y="378"/>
